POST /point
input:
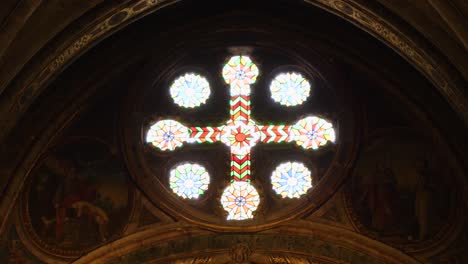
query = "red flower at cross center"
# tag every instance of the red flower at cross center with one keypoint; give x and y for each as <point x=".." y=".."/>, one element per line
<point x="240" y="136"/>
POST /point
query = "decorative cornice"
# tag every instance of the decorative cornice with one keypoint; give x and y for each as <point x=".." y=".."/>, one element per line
<point x="301" y="237"/>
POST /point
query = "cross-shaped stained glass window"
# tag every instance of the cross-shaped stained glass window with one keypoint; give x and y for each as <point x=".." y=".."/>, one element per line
<point x="240" y="133"/>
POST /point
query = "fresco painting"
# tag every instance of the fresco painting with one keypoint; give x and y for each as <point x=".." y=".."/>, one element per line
<point x="79" y="197"/>
<point x="400" y="188"/>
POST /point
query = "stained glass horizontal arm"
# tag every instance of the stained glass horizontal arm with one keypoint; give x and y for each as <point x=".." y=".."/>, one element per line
<point x="310" y="133"/>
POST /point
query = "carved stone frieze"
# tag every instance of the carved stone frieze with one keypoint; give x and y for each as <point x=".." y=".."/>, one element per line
<point x="240" y="253"/>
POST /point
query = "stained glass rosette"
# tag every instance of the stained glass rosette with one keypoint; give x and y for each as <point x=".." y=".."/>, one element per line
<point x="190" y="90"/>
<point x="167" y="134"/>
<point x="290" y="89"/>
<point x="239" y="136"/>
<point x="240" y="200"/>
<point x="240" y="72"/>
<point x="291" y="179"/>
<point x="189" y="180"/>
<point x="312" y="132"/>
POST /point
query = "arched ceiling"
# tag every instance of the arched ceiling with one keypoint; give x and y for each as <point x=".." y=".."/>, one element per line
<point x="41" y="38"/>
<point x="443" y="23"/>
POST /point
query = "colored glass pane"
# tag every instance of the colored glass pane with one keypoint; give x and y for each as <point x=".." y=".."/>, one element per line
<point x="291" y="179"/>
<point x="190" y="90"/>
<point x="290" y="89"/>
<point x="189" y="180"/>
<point x="240" y="167"/>
<point x="167" y="134"/>
<point x="312" y="132"/>
<point x="240" y="72"/>
<point x="240" y="200"/>
<point x="239" y="136"/>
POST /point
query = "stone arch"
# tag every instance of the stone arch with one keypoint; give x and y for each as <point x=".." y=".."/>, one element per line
<point x="304" y="240"/>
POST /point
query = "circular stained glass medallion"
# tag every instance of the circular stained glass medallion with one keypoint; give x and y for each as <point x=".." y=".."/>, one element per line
<point x="290" y="89"/>
<point x="240" y="72"/>
<point x="189" y="180"/>
<point x="240" y="200"/>
<point x="240" y="136"/>
<point x="167" y="134"/>
<point x="190" y="90"/>
<point x="291" y="179"/>
<point x="312" y="132"/>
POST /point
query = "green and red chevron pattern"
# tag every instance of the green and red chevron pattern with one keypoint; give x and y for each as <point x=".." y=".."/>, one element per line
<point x="240" y="167"/>
<point x="240" y="108"/>
<point x="274" y="133"/>
<point x="204" y="134"/>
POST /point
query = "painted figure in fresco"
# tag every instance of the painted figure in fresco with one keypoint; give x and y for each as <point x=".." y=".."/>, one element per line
<point x="78" y="198"/>
<point x="379" y="195"/>
<point x="73" y="189"/>
<point x="74" y="197"/>
<point x="93" y="213"/>
<point x="400" y="193"/>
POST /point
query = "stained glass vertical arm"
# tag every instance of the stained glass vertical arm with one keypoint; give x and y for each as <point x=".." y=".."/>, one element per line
<point x="240" y="72"/>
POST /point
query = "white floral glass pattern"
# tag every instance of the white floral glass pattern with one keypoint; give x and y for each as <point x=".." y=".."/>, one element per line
<point x="189" y="180"/>
<point x="190" y="90"/>
<point x="290" y="89"/>
<point x="312" y="132"/>
<point x="240" y="72"/>
<point x="167" y="134"/>
<point x="291" y="179"/>
<point x="240" y="200"/>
